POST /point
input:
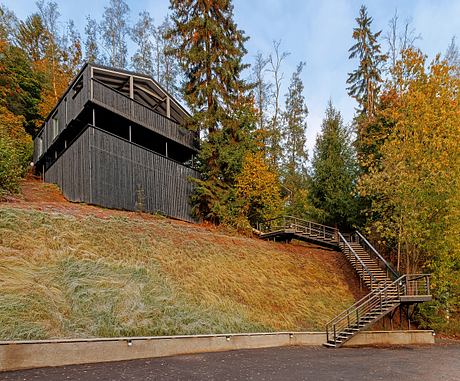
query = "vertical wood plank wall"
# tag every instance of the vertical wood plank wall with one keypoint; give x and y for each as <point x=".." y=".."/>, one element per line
<point x="67" y="109"/>
<point x="71" y="171"/>
<point x="103" y="169"/>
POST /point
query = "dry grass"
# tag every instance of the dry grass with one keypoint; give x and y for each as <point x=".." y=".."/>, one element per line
<point x="81" y="276"/>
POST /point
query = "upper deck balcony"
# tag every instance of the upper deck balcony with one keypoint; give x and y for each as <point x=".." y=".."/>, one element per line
<point x="135" y="97"/>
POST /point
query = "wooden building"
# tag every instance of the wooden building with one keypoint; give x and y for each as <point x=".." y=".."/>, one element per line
<point x="117" y="139"/>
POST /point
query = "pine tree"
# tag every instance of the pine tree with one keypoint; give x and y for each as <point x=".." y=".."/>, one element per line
<point x="294" y="126"/>
<point x="210" y="49"/>
<point x="114" y="30"/>
<point x="142" y="34"/>
<point x="91" y="40"/>
<point x="366" y="79"/>
<point x="333" y="173"/>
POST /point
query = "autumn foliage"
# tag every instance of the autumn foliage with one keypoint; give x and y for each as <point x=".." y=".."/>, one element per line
<point x="414" y="178"/>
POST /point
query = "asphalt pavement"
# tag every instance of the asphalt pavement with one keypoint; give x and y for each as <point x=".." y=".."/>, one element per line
<point x="421" y="363"/>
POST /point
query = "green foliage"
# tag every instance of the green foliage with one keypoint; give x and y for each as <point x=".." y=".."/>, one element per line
<point x="20" y="85"/>
<point x="365" y="80"/>
<point x="293" y="132"/>
<point x="210" y="49"/>
<point x="10" y="168"/>
<point x="294" y="127"/>
<point x="414" y="184"/>
<point x="334" y="173"/>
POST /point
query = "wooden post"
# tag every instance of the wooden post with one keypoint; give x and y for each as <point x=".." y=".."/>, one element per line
<point x="131" y="87"/>
<point x="131" y="94"/>
<point x="168" y="107"/>
<point x="91" y="84"/>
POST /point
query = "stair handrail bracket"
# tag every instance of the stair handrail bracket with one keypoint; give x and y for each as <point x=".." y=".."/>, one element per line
<point x="372" y="251"/>
<point x="374" y="305"/>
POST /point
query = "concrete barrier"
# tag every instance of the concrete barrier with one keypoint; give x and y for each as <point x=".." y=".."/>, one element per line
<point x="16" y="355"/>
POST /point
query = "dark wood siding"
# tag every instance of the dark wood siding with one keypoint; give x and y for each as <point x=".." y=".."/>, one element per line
<point x="110" y="99"/>
<point x="71" y="171"/>
<point x="69" y="108"/>
<point x="103" y="169"/>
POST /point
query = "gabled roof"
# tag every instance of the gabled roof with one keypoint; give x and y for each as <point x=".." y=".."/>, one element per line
<point x="146" y="90"/>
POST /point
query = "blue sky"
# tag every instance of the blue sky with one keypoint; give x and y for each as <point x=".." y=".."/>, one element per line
<point x="315" y="31"/>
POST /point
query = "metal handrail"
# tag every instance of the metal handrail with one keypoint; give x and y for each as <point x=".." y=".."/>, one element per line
<point x="373" y="279"/>
<point x="364" y="305"/>
<point x="298" y="219"/>
<point x="376" y="299"/>
<point x="380" y="287"/>
<point x="390" y="268"/>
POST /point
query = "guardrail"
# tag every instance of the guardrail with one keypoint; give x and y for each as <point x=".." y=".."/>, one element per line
<point x="300" y="226"/>
<point x="142" y="114"/>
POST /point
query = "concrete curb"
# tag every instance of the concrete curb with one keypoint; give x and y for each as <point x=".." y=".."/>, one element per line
<point x="16" y="355"/>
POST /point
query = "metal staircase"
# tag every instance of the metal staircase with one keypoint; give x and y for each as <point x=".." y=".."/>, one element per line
<point x="388" y="289"/>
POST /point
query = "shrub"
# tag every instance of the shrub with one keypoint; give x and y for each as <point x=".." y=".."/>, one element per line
<point x="10" y="167"/>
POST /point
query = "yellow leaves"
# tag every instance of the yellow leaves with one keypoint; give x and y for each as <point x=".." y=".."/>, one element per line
<point x="258" y="187"/>
<point x="418" y="176"/>
<point x="11" y="126"/>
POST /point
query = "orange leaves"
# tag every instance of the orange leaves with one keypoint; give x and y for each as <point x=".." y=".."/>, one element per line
<point x="417" y="178"/>
<point x="258" y="188"/>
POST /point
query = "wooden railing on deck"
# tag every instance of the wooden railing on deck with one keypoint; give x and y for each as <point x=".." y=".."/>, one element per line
<point x="141" y="114"/>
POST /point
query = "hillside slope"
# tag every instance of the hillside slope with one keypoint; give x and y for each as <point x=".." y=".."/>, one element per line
<point x="73" y="270"/>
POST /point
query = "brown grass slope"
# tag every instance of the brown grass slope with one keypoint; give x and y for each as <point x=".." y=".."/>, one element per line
<point x="72" y="270"/>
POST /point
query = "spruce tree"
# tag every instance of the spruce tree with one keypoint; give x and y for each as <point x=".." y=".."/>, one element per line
<point x="210" y="48"/>
<point x="366" y="79"/>
<point x="364" y="85"/>
<point x="294" y="127"/>
<point x="333" y="173"/>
